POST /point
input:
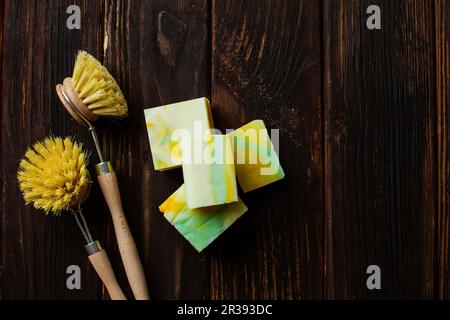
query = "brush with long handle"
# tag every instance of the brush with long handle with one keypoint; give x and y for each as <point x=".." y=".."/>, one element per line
<point x="53" y="176"/>
<point x="92" y="92"/>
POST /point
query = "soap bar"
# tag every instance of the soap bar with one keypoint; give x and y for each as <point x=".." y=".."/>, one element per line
<point x="208" y="171"/>
<point x="163" y="121"/>
<point x="256" y="161"/>
<point x="200" y="226"/>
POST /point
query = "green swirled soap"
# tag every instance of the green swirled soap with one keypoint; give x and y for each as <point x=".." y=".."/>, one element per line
<point x="208" y="171"/>
<point x="200" y="226"/>
<point x="163" y="121"/>
<point x="256" y="161"/>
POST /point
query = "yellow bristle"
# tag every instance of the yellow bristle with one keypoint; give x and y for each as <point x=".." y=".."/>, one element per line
<point x="97" y="88"/>
<point x="53" y="175"/>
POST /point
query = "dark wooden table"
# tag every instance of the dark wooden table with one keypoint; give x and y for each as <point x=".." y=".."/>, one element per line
<point x="364" y="143"/>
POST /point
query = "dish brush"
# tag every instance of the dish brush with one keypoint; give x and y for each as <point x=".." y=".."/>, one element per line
<point x="91" y="93"/>
<point x="53" y="176"/>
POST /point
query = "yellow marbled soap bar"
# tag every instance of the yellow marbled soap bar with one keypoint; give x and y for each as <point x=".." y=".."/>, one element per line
<point x="256" y="161"/>
<point x="200" y="226"/>
<point x="163" y="121"/>
<point x="208" y="171"/>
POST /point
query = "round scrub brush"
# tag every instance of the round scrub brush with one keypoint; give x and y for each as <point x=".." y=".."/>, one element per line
<point x="53" y="176"/>
<point x="90" y="93"/>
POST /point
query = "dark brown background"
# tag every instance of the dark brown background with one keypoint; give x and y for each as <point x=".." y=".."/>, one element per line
<point x="364" y="143"/>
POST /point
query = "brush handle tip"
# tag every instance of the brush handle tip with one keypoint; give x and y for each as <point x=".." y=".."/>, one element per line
<point x="102" y="266"/>
<point x="127" y="246"/>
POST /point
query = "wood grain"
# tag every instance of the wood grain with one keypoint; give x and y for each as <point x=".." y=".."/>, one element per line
<point x="363" y="119"/>
<point x="38" y="51"/>
<point x="379" y="149"/>
<point x="266" y="65"/>
<point x="442" y="14"/>
<point x="158" y="50"/>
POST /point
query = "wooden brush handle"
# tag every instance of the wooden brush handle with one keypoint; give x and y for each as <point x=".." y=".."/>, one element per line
<point x="127" y="247"/>
<point x="103" y="267"/>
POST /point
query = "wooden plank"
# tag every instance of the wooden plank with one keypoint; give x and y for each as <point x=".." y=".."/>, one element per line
<point x="443" y="122"/>
<point x="380" y="151"/>
<point x="266" y="65"/>
<point x="159" y="52"/>
<point x="38" y="51"/>
<point x="364" y="144"/>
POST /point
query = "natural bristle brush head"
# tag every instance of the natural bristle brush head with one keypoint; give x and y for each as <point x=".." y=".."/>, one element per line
<point x="92" y="91"/>
<point x="53" y="175"/>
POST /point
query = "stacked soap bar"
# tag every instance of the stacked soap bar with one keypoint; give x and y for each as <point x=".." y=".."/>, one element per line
<point x="256" y="161"/>
<point x="203" y="225"/>
<point x="207" y="203"/>
<point x="212" y="180"/>
<point x="162" y="122"/>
